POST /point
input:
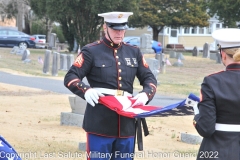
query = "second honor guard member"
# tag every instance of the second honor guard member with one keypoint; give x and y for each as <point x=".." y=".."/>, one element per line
<point x="218" y="120"/>
<point x="110" y="67"/>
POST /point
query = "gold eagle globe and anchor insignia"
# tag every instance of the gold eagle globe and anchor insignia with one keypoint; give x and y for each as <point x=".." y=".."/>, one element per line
<point x="120" y="15"/>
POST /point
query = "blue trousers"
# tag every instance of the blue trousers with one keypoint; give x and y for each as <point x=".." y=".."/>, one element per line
<point x="108" y="148"/>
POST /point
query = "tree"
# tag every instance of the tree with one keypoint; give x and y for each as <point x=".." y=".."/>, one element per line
<point x="16" y="9"/>
<point x="228" y="11"/>
<point x="39" y="8"/>
<point x="79" y="18"/>
<point x="175" y="13"/>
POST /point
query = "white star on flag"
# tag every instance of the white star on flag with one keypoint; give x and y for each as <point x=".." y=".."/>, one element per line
<point x="1" y="144"/>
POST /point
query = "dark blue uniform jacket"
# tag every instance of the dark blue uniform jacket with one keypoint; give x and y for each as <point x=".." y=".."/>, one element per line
<point x="108" y="65"/>
<point x="220" y="103"/>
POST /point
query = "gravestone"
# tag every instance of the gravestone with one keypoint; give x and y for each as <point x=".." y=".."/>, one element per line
<point x="70" y="60"/>
<point x="52" y="41"/>
<point x="172" y="54"/>
<point x="63" y="62"/>
<point x="178" y="63"/>
<point x="27" y="61"/>
<point x="46" y="62"/>
<point x="146" y="43"/>
<point x="195" y="52"/>
<point x="213" y="56"/>
<point x="218" y="60"/>
<point x="25" y="54"/>
<point x="55" y="63"/>
<point x="74" y="118"/>
<point x="206" y="51"/>
<point x="191" y="138"/>
<point x="20" y="51"/>
<point x="180" y="56"/>
<point x="14" y="50"/>
<point x="162" y="62"/>
<point x="154" y="66"/>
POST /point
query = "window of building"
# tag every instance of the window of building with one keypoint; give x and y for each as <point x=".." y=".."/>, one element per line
<point x="186" y="30"/>
<point x="201" y="30"/>
<point x="194" y="30"/>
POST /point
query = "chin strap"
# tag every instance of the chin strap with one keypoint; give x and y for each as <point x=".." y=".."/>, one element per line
<point x="109" y="37"/>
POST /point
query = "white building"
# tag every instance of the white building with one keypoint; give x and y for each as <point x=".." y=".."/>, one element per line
<point x="189" y="37"/>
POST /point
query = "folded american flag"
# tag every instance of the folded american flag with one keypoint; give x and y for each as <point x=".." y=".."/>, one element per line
<point x="7" y="152"/>
<point x="123" y="106"/>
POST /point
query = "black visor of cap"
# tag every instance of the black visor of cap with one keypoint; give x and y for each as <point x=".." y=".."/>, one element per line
<point x="117" y="26"/>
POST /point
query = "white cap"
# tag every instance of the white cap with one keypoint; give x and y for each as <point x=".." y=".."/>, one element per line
<point x="116" y="17"/>
<point x="227" y="37"/>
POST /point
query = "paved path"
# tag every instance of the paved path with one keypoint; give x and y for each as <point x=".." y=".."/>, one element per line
<point x="58" y="87"/>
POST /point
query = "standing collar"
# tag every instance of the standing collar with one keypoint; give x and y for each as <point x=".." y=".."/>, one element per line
<point x="111" y="44"/>
<point x="233" y="66"/>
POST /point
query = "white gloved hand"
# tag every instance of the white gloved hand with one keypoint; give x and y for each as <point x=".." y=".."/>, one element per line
<point x="141" y="99"/>
<point x="194" y="104"/>
<point x="195" y="109"/>
<point x="92" y="96"/>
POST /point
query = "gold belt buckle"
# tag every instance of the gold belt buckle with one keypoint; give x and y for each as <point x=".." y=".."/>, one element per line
<point x="119" y="93"/>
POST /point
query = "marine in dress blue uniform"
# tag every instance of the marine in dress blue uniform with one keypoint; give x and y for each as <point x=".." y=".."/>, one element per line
<point x="110" y="67"/>
<point x="218" y="120"/>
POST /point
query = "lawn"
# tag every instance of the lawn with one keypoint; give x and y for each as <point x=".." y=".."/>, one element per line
<point x="176" y="81"/>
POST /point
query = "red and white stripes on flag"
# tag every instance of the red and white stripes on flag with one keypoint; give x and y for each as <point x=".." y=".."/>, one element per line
<point x="123" y="106"/>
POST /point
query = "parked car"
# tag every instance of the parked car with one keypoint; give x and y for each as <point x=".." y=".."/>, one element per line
<point x="10" y="38"/>
<point x="135" y="41"/>
<point x="40" y="40"/>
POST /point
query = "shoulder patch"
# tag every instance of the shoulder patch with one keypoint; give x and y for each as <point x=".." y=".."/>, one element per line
<point x="79" y="61"/>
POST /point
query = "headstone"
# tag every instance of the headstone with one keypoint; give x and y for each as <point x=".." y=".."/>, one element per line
<point x="14" y="50"/>
<point x="55" y="63"/>
<point x="191" y="138"/>
<point x="63" y="62"/>
<point x="74" y="118"/>
<point x="46" y="62"/>
<point x="180" y="56"/>
<point x="52" y="41"/>
<point x="195" y="52"/>
<point x="146" y="43"/>
<point x="206" y="51"/>
<point x="213" y="56"/>
<point x="154" y="66"/>
<point x="82" y="146"/>
<point x="70" y="60"/>
<point x="26" y="54"/>
<point x="162" y="62"/>
<point x="172" y="54"/>
<point x="20" y="51"/>
<point x="27" y="61"/>
<point x="178" y="63"/>
<point x="218" y="60"/>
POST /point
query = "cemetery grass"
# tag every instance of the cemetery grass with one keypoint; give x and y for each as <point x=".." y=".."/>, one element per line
<point x="175" y="81"/>
<point x="30" y="118"/>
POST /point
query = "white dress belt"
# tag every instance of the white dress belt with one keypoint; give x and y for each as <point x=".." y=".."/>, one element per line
<point x="227" y="127"/>
<point x="114" y="92"/>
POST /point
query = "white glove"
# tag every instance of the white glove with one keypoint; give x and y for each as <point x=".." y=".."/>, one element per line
<point x="195" y="109"/>
<point x="192" y="103"/>
<point x="141" y="99"/>
<point x="92" y="96"/>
